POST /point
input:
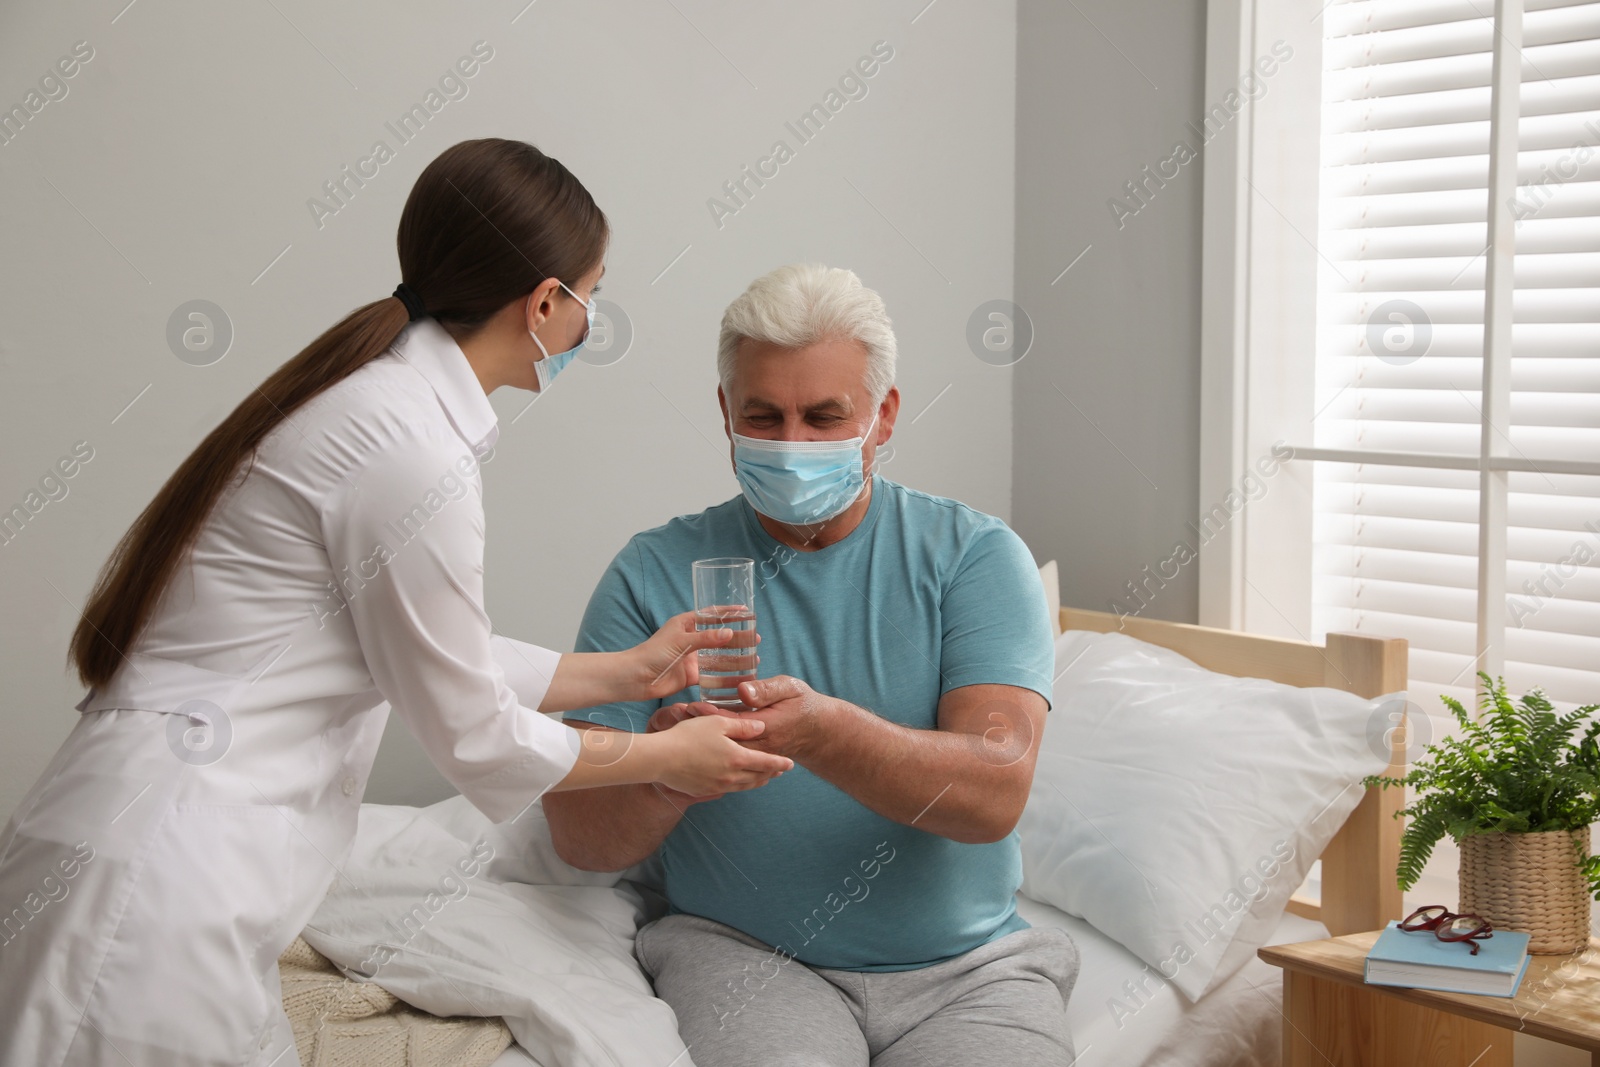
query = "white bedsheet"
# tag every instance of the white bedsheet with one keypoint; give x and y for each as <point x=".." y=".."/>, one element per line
<point x="1237" y="1024"/>
<point x="522" y="936"/>
<point x="550" y="948"/>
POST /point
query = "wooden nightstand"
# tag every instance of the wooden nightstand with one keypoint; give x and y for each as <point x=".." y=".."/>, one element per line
<point x="1330" y="1016"/>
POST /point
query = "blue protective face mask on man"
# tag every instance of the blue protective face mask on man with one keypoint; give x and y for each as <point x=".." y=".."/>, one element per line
<point x="547" y="368"/>
<point x="800" y="482"/>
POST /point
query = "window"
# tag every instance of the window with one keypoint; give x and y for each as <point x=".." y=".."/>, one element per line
<point x="1455" y="492"/>
<point x="1403" y="258"/>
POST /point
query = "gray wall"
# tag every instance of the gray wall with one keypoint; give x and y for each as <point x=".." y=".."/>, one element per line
<point x="179" y="165"/>
<point x="1107" y="409"/>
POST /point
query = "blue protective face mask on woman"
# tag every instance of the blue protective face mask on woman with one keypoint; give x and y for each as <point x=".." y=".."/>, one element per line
<point x="800" y="482"/>
<point x="550" y="366"/>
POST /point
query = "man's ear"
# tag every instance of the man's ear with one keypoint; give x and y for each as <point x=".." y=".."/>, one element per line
<point x="888" y="411"/>
<point x="722" y="402"/>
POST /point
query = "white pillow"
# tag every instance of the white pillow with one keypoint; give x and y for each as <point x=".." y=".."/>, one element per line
<point x="1177" y="809"/>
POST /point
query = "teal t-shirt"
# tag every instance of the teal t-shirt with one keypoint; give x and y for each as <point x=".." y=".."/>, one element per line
<point x="925" y="596"/>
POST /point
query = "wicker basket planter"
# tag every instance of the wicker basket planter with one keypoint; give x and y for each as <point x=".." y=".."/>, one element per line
<point x="1531" y="883"/>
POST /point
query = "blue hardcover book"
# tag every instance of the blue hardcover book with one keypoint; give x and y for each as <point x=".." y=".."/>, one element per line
<point x="1419" y="960"/>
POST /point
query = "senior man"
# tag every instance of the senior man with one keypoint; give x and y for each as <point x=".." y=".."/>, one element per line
<point x="860" y="909"/>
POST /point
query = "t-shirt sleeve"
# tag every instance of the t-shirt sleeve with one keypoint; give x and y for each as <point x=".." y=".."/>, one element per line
<point x="996" y="623"/>
<point x="616" y="619"/>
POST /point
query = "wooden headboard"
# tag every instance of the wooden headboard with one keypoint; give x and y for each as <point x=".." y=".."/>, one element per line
<point x="1358" y="866"/>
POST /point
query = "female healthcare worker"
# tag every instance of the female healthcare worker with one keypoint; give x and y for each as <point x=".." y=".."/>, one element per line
<point x="315" y="561"/>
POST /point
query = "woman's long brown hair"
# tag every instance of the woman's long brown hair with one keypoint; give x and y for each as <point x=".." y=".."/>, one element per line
<point x="486" y="222"/>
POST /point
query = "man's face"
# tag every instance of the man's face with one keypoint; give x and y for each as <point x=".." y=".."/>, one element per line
<point x="816" y="393"/>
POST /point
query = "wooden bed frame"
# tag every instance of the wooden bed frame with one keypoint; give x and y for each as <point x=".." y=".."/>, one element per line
<point x="1358" y="866"/>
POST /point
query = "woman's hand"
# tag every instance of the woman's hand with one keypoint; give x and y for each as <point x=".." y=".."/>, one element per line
<point x="665" y="718"/>
<point x="664" y="664"/>
<point x="704" y="759"/>
<point x="689" y="755"/>
<point x="667" y="663"/>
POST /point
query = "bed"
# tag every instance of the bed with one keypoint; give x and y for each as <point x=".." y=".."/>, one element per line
<point x="1237" y="1022"/>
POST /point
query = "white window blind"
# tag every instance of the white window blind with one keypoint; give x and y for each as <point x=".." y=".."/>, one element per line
<point x="1463" y="518"/>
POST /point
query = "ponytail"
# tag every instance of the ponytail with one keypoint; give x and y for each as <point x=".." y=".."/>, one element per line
<point x="145" y="559"/>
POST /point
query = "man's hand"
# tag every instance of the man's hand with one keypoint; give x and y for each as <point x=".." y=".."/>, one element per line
<point x="799" y="719"/>
<point x="967" y="779"/>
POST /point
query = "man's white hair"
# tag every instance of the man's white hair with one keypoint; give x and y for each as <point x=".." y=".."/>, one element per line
<point x="806" y="303"/>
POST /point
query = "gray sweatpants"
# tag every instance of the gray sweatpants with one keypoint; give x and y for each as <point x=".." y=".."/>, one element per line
<point x="740" y="1003"/>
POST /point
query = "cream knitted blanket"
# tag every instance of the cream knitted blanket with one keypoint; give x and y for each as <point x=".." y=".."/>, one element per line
<point x="343" y="1023"/>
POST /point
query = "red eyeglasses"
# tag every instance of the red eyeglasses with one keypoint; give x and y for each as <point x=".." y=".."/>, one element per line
<point x="1449" y="926"/>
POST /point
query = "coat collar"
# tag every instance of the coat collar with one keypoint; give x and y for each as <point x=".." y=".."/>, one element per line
<point x="430" y="350"/>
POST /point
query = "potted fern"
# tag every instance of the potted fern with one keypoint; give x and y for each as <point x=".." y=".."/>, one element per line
<point x="1517" y="792"/>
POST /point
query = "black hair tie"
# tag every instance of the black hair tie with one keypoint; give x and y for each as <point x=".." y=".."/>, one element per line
<point x="411" y="300"/>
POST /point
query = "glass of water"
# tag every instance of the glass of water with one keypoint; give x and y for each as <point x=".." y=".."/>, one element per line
<point x="725" y="598"/>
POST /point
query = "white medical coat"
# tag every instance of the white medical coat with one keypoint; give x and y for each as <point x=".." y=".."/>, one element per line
<point x="193" y="820"/>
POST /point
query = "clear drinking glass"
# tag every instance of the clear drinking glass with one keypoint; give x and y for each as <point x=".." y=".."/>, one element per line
<point x="725" y="597"/>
